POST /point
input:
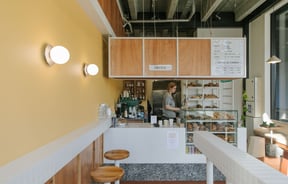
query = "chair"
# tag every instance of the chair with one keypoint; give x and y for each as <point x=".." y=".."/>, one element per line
<point x="284" y="163"/>
<point x="107" y="174"/>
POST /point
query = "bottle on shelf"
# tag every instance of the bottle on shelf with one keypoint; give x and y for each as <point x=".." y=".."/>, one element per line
<point x="125" y="113"/>
<point x="118" y="109"/>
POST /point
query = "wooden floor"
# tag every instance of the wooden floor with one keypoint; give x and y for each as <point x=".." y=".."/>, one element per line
<point x="273" y="162"/>
<point x="169" y="182"/>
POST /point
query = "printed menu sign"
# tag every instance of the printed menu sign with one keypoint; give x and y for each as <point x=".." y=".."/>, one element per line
<point x="228" y="57"/>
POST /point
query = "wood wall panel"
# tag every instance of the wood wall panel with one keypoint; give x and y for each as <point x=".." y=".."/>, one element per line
<point x="126" y="57"/>
<point x="50" y="181"/>
<point x="98" y="152"/>
<point x="78" y="170"/>
<point x="69" y="174"/>
<point x="113" y="15"/>
<point x="86" y="162"/>
<point x="160" y="52"/>
<point x="194" y="57"/>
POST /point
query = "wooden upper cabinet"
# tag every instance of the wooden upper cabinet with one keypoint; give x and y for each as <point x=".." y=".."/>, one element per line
<point x="160" y="57"/>
<point x="177" y="58"/>
<point x="194" y="57"/>
<point x="125" y="57"/>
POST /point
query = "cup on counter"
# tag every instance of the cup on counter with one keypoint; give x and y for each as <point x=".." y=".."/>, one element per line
<point x="171" y="122"/>
<point x="160" y="122"/>
<point x="166" y="122"/>
<point x="153" y="119"/>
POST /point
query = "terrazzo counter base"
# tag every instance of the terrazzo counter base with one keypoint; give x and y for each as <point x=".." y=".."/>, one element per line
<point x="168" y="172"/>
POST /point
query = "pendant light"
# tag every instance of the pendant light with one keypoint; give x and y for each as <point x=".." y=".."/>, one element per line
<point x="273" y="59"/>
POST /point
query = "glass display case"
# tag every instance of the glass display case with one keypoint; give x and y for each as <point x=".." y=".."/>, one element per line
<point x="222" y="123"/>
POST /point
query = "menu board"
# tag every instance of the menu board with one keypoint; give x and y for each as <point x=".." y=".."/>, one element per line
<point x="228" y="57"/>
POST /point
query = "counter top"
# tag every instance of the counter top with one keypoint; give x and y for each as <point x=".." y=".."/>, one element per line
<point x="144" y="125"/>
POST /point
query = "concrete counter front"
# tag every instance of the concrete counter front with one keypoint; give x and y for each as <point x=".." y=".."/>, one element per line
<point x="149" y="144"/>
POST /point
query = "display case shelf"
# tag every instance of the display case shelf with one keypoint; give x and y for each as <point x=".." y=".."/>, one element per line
<point x="202" y="94"/>
<point x="222" y="123"/>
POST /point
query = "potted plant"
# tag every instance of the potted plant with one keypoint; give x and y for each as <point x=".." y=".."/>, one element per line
<point x="244" y="109"/>
<point x="241" y="130"/>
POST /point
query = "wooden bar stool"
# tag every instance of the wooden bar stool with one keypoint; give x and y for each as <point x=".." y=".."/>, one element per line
<point x="107" y="174"/>
<point x="116" y="155"/>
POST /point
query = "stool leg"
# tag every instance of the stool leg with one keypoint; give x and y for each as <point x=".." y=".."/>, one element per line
<point x="117" y="163"/>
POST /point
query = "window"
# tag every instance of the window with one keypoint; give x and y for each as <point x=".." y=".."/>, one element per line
<point x="279" y="72"/>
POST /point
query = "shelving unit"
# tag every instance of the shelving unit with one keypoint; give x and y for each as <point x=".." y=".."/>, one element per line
<point x="136" y="88"/>
<point x="202" y="94"/>
<point x="207" y="107"/>
<point x="223" y="123"/>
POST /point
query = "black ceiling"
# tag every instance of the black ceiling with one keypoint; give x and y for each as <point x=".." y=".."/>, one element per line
<point x="176" y="17"/>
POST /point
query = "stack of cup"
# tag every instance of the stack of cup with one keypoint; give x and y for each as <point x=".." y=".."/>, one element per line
<point x="166" y="122"/>
<point x="171" y="122"/>
<point x="160" y="122"/>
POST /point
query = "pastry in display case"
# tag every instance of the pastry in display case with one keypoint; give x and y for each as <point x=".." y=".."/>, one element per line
<point x="222" y="123"/>
<point x="202" y="94"/>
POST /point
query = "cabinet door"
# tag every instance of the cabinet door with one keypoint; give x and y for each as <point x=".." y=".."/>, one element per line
<point x="125" y="57"/>
<point x="194" y="57"/>
<point x="160" y="57"/>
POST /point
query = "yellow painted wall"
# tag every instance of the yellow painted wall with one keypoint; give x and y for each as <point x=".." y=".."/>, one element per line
<point x="38" y="103"/>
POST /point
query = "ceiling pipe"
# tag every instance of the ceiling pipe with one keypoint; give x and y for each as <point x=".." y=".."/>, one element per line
<point x="126" y="22"/>
<point x="193" y="10"/>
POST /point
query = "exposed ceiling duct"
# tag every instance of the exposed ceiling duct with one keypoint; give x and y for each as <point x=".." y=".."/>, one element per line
<point x="170" y="13"/>
<point x="192" y="12"/>
<point x="171" y="16"/>
<point x="186" y="13"/>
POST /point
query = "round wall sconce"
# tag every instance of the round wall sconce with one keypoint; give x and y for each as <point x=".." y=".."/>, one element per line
<point x="90" y="69"/>
<point x="56" y="55"/>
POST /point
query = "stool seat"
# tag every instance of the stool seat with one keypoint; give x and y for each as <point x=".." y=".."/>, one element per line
<point x="117" y="154"/>
<point x="107" y="174"/>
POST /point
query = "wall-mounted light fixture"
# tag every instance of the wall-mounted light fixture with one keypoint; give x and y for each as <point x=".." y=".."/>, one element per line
<point x="56" y="55"/>
<point x="273" y="60"/>
<point x="90" y="69"/>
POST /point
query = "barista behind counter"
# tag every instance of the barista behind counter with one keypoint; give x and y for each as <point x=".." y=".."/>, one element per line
<point x="168" y="104"/>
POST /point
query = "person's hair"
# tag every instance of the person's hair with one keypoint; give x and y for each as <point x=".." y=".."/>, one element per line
<point x="171" y="85"/>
